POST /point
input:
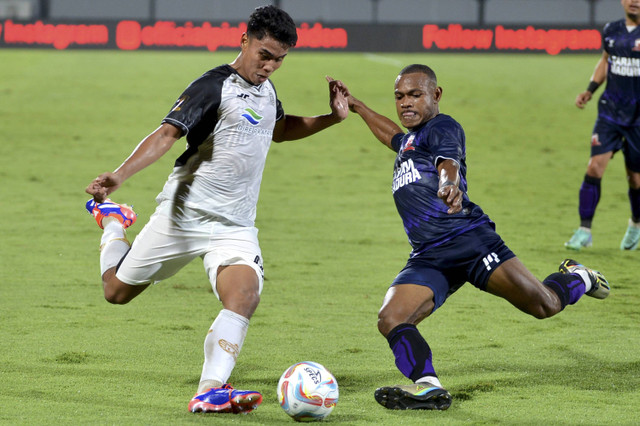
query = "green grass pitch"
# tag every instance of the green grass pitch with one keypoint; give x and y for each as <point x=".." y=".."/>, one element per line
<point x="331" y="240"/>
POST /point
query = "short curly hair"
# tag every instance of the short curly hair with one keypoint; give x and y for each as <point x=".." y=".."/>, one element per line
<point x="273" y="22"/>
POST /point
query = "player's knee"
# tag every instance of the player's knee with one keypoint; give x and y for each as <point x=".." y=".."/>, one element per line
<point x="387" y="321"/>
<point x="252" y="300"/>
<point x="243" y="303"/>
<point x="115" y="298"/>
<point x="117" y="292"/>
<point x="541" y="309"/>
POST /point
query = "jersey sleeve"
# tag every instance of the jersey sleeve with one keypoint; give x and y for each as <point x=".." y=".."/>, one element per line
<point x="603" y="36"/>
<point x="447" y="141"/>
<point x="198" y="100"/>
<point x="396" y="141"/>
<point x="279" y="110"/>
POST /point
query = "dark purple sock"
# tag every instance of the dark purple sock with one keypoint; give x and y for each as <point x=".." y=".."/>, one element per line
<point x="634" y="199"/>
<point x="413" y="355"/>
<point x="589" y="197"/>
<point x="568" y="287"/>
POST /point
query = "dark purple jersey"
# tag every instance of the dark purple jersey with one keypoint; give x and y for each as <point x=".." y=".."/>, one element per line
<point x="620" y="102"/>
<point x="415" y="184"/>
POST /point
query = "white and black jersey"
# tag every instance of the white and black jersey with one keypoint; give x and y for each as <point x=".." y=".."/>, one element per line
<point x="228" y="123"/>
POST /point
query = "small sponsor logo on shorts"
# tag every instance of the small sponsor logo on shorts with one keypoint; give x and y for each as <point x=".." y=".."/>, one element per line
<point x="595" y="140"/>
<point x="491" y="261"/>
<point x="258" y="261"/>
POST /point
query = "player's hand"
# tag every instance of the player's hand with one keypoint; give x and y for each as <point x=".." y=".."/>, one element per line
<point x="338" y="93"/>
<point x="583" y="98"/>
<point x="351" y="100"/>
<point x="452" y="197"/>
<point x="103" y="185"/>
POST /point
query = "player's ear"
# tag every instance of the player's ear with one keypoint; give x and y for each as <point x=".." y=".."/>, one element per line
<point x="437" y="94"/>
<point x="244" y="41"/>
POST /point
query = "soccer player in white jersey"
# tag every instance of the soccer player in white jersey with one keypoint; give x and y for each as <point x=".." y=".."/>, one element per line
<point x="207" y="207"/>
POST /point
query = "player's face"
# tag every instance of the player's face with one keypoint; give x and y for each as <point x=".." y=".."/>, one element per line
<point x="631" y="8"/>
<point x="259" y="58"/>
<point x="417" y="99"/>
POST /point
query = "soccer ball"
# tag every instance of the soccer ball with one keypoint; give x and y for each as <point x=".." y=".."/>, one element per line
<point x="307" y="391"/>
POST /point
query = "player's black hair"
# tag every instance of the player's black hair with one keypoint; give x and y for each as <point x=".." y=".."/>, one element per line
<point x="422" y="69"/>
<point x="274" y="22"/>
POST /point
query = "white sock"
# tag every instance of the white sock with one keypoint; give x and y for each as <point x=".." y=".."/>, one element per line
<point x="431" y="380"/>
<point x="222" y="346"/>
<point x="113" y="245"/>
<point x="585" y="278"/>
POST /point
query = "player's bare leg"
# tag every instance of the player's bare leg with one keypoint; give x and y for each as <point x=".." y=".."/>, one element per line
<point x="117" y="292"/>
<point x="515" y="283"/>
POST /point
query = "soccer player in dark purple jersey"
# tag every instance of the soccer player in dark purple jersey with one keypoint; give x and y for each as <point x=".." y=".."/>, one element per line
<point x="453" y="240"/>
<point x="617" y="126"/>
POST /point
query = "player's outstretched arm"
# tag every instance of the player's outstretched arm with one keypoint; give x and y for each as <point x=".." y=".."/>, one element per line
<point x="383" y="128"/>
<point x="449" y="185"/>
<point x="293" y="127"/>
<point x="147" y="152"/>
<point x="597" y="78"/>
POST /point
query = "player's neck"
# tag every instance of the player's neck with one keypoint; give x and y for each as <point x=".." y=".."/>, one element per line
<point x="237" y="65"/>
<point x="632" y="20"/>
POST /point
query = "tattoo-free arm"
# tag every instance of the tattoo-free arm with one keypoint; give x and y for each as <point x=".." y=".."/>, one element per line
<point x="293" y="127"/>
<point x="383" y="128"/>
<point x="449" y="185"/>
<point x="149" y="150"/>
<point x="598" y="77"/>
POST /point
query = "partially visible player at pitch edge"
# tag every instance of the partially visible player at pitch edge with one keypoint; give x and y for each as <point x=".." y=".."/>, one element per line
<point x="617" y="126"/>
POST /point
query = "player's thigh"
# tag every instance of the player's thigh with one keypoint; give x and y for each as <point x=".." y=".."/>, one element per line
<point x="160" y="250"/>
<point x="233" y="263"/>
<point x="118" y="292"/>
<point x="598" y="164"/>
<point x="515" y="283"/>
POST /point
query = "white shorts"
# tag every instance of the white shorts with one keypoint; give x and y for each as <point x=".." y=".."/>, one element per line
<point x="173" y="237"/>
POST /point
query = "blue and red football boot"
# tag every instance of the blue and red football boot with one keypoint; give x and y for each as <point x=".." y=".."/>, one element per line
<point x="225" y="399"/>
<point x="121" y="212"/>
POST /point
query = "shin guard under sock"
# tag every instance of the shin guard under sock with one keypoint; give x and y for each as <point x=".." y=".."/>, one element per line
<point x="568" y="287"/>
<point x="589" y="197"/>
<point x="412" y="353"/>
